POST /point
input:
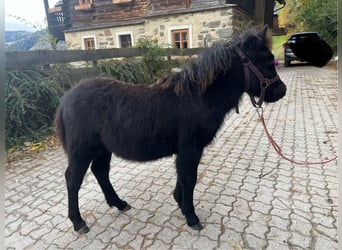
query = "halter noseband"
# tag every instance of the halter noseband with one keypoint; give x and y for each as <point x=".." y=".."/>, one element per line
<point x="264" y="82"/>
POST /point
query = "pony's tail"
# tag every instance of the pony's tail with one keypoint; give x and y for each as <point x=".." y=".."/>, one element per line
<point x="59" y="126"/>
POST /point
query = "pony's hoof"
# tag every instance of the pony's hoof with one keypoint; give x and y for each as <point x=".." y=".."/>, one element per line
<point x="83" y="230"/>
<point x="197" y="226"/>
<point x="126" y="208"/>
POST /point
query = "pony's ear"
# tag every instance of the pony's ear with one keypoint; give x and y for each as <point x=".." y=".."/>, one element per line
<point x="266" y="37"/>
<point x="251" y="44"/>
<point x="255" y="41"/>
<point x="263" y="33"/>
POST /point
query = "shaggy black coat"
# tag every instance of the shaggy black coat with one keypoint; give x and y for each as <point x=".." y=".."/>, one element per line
<point x="180" y="115"/>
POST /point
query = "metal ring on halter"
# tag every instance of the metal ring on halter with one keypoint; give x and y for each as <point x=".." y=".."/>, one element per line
<point x="265" y="83"/>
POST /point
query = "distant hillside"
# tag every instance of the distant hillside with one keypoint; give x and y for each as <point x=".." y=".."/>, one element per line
<point x="12" y="36"/>
<point x="23" y="40"/>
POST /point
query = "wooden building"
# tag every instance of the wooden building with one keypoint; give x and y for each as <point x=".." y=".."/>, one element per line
<point x="99" y="24"/>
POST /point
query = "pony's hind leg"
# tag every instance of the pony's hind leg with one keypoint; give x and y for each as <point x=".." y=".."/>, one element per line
<point x="74" y="175"/>
<point x="100" y="167"/>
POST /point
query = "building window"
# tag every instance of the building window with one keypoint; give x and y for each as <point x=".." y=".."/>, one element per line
<point x="84" y="5"/>
<point x="124" y="40"/>
<point x="89" y="43"/>
<point x="180" y="38"/>
<point x="121" y="1"/>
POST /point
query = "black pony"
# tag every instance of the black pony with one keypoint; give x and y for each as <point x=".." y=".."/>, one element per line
<point x="179" y="115"/>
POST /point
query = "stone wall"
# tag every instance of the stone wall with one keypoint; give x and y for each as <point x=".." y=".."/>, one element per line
<point x="205" y="27"/>
<point x="104" y="38"/>
<point x="243" y="21"/>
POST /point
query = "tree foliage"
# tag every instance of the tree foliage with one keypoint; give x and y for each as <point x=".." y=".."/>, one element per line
<point x="287" y="16"/>
<point x="311" y="15"/>
<point x="321" y="16"/>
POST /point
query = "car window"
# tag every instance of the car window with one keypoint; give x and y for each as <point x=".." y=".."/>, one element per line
<point x="304" y="36"/>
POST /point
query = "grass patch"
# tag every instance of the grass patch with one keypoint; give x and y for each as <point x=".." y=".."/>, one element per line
<point x="277" y="47"/>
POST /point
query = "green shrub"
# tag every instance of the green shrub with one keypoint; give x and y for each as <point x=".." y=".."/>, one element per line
<point x="156" y="63"/>
<point x="136" y="71"/>
<point x="131" y="71"/>
<point x="153" y="58"/>
<point x="32" y="97"/>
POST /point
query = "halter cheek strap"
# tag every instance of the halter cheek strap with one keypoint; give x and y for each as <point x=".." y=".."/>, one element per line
<point x="264" y="82"/>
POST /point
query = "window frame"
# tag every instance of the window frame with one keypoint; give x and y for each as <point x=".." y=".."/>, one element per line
<point x="84" y="38"/>
<point x="84" y="6"/>
<point x="173" y="29"/>
<point x="118" y="40"/>
<point x="120" y="1"/>
<point x="180" y="40"/>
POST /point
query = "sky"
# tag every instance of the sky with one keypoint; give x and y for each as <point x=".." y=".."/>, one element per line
<point x="32" y="12"/>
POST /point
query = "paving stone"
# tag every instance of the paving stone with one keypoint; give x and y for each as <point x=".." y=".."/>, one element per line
<point x="205" y="243"/>
<point x="17" y="241"/>
<point x="234" y="223"/>
<point x="158" y="244"/>
<point x="299" y="240"/>
<point x="274" y="244"/>
<point x="107" y="235"/>
<point x="255" y="242"/>
<point x="325" y="220"/>
<point x="278" y="236"/>
<point x="324" y="242"/>
<point x="300" y="224"/>
<point x="167" y="235"/>
<point x="186" y="240"/>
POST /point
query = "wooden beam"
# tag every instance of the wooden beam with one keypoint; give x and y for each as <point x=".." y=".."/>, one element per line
<point x="29" y="59"/>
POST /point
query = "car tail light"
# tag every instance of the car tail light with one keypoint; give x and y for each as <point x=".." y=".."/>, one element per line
<point x="286" y="46"/>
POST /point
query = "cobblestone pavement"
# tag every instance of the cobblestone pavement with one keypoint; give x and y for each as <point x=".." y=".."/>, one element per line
<point x="246" y="195"/>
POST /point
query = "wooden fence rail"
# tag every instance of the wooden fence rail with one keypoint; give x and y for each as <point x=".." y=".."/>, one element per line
<point x="29" y="59"/>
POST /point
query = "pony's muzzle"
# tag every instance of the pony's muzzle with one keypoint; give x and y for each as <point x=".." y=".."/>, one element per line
<point x="275" y="92"/>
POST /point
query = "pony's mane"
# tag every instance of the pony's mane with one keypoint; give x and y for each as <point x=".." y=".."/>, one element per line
<point x="200" y="73"/>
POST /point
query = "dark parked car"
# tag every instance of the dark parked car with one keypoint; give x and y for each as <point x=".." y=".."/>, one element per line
<point x="307" y="47"/>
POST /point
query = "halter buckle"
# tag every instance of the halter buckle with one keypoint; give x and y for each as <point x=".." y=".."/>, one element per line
<point x="264" y="83"/>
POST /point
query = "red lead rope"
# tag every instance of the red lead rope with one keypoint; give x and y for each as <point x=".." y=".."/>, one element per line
<point x="278" y="149"/>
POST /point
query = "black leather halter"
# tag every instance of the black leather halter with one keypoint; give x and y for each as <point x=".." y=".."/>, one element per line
<point x="264" y="82"/>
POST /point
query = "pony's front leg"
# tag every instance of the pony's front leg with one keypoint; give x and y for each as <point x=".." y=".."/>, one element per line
<point x="186" y="164"/>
